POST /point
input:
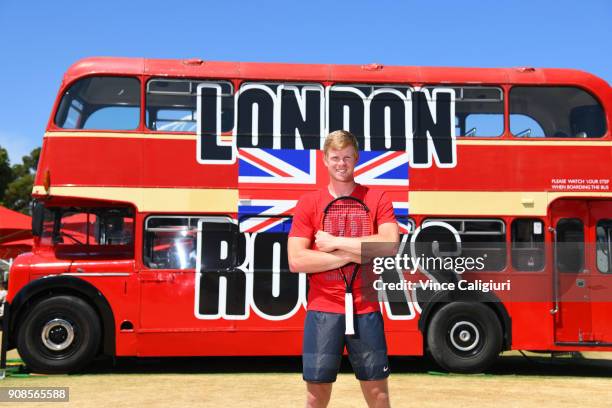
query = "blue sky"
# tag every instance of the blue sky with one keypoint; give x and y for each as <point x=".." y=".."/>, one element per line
<point x="39" y="42"/>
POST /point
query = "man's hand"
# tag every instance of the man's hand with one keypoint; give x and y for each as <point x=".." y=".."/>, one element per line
<point x="349" y="257"/>
<point x="387" y="233"/>
<point x="325" y="241"/>
<point x="303" y="259"/>
<point x="334" y="252"/>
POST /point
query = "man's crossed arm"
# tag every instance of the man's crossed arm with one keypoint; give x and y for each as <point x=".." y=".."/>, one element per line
<point x="335" y="252"/>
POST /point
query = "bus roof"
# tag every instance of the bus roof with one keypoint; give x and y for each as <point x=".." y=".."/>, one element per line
<point x="377" y="73"/>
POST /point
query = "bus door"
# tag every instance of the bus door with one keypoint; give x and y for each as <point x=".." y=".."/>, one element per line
<point x="601" y="274"/>
<point x="571" y="272"/>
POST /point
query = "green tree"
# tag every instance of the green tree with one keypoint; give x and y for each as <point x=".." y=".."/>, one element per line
<point x="18" y="192"/>
<point x="6" y="173"/>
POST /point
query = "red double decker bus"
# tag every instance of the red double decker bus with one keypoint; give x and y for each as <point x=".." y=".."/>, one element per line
<point x="165" y="190"/>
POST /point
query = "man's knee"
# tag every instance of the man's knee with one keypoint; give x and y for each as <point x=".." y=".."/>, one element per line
<point x="318" y="394"/>
<point x="381" y="398"/>
<point x="376" y="393"/>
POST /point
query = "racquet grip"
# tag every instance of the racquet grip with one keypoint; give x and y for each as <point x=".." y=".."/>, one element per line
<point x="348" y="314"/>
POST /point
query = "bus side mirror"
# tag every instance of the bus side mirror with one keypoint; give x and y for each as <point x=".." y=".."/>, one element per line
<point x="38" y="215"/>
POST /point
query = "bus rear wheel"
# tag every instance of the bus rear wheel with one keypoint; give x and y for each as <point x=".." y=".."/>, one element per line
<point x="464" y="337"/>
<point x="59" y="334"/>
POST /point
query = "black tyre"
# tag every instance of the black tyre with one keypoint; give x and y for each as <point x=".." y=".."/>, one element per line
<point x="464" y="337"/>
<point x="59" y="334"/>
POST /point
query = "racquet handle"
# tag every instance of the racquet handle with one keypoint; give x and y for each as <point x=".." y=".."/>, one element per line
<point x="348" y="314"/>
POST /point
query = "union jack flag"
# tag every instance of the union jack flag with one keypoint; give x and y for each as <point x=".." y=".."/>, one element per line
<point x="380" y="168"/>
<point x="272" y="180"/>
<point x="277" y="166"/>
<point x="401" y="215"/>
<point x="265" y="215"/>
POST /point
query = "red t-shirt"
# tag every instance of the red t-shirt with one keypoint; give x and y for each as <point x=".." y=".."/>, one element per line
<point x="327" y="288"/>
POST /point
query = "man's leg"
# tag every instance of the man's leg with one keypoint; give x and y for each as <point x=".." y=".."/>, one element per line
<point x="318" y="394"/>
<point x="368" y="355"/>
<point x="376" y="393"/>
<point x="321" y="355"/>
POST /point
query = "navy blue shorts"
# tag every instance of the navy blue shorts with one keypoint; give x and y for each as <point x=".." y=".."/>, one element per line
<point x="324" y="342"/>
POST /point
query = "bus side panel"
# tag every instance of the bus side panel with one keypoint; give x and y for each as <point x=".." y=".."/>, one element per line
<point x="532" y="325"/>
<point x="110" y="162"/>
<point x="274" y="340"/>
<point x="526" y="166"/>
<point x="403" y="337"/>
<point x="220" y="343"/>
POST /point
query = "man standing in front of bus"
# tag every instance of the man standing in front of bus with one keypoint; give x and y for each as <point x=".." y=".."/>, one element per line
<point x="320" y="254"/>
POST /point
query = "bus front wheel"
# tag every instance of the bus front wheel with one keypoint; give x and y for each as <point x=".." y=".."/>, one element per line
<point x="59" y="334"/>
<point x="464" y="337"/>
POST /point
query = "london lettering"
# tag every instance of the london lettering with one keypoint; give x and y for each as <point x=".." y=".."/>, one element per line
<point x="298" y="116"/>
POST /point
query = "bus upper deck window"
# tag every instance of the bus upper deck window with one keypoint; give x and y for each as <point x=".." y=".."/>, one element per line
<point x="561" y="111"/>
<point x="479" y="110"/>
<point x="171" y="104"/>
<point x="100" y="103"/>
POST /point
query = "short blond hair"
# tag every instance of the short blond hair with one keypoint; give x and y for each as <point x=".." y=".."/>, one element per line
<point x="340" y="139"/>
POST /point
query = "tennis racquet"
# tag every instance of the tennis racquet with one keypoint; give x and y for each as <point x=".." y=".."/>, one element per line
<point x="347" y="217"/>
